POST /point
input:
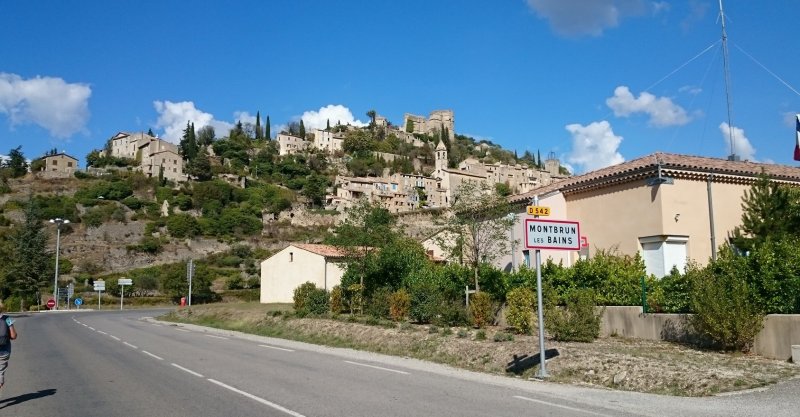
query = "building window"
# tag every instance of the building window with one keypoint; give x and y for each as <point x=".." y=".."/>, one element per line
<point x="55" y="162"/>
<point x="526" y="257"/>
<point x="69" y="164"/>
<point x="662" y="253"/>
<point x="291" y="256"/>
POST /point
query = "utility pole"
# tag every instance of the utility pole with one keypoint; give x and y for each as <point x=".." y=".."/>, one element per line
<point x="58" y="222"/>
<point x="189" y="274"/>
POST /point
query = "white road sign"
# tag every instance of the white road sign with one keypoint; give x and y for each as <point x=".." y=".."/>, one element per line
<point x="552" y="234"/>
<point x="125" y="281"/>
<point x="99" y="285"/>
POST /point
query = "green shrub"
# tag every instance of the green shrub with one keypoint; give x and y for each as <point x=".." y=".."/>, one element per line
<point x="148" y="244"/>
<point x="355" y="298"/>
<point x="337" y="300"/>
<point x="379" y="305"/>
<point x="450" y="313"/>
<point x="480" y="309"/>
<point x="519" y="315"/>
<point x="318" y="302"/>
<point x="301" y="296"/>
<point x="234" y="283"/>
<point x="446" y="331"/>
<point x="425" y="301"/>
<point x="480" y="335"/>
<point x="433" y="329"/>
<point x="726" y="309"/>
<point x="614" y="278"/>
<point x="503" y="337"/>
<point x="578" y="322"/>
<point x="182" y="225"/>
<point x="462" y="333"/>
<point x="399" y="305"/>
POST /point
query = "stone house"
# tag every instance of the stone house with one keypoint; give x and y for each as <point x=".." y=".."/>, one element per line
<point x="154" y="156"/>
<point x="289" y="144"/>
<point x="58" y="166"/>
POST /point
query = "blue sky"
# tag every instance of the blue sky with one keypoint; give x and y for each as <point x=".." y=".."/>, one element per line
<point x="596" y="82"/>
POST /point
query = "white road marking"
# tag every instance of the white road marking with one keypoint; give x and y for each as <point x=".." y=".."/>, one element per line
<point x="278" y="348"/>
<point x="187" y="370"/>
<point x="84" y="325"/>
<point x="182" y="330"/>
<point x="126" y="343"/>
<point x="102" y="332"/>
<point x="259" y="399"/>
<point x="377" y="367"/>
<point x="150" y="354"/>
<point x="114" y="337"/>
<point x="561" y="406"/>
<point x="216" y="337"/>
<point x="92" y="329"/>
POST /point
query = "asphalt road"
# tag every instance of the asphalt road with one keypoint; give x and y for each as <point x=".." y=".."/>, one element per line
<point x="123" y="364"/>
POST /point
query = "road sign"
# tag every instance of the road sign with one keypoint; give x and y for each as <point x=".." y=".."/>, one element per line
<point x="552" y="234"/>
<point x="584" y="242"/>
<point x="78" y="301"/>
<point x="125" y="281"/>
<point x="538" y="211"/>
<point x="70" y="290"/>
<point x="51" y="303"/>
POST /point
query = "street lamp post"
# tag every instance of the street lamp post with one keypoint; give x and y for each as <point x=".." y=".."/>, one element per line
<point x="58" y="222"/>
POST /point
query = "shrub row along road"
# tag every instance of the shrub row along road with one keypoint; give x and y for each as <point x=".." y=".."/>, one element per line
<point x="123" y="364"/>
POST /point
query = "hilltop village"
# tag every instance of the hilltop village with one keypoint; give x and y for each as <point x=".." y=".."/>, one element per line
<point x="411" y="166"/>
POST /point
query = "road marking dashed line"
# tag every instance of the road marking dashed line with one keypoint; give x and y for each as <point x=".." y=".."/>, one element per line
<point x="126" y="343"/>
<point x="216" y="337"/>
<point x="102" y="332"/>
<point x="92" y="329"/>
<point x="187" y="370"/>
<point x="258" y="399"/>
<point x="182" y="330"/>
<point x="519" y="397"/>
<point x="277" y="348"/>
<point x="150" y="354"/>
<point x="115" y="338"/>
<point x="378" y="367"/>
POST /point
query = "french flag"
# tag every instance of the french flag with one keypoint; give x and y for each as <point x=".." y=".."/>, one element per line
<point x="797" y="140"/>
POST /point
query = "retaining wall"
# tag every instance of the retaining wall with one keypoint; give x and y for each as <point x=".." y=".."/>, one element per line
<point x="775" y="340"/>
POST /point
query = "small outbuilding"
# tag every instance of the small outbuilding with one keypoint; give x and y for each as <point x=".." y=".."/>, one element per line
<point x="299" y="263"/>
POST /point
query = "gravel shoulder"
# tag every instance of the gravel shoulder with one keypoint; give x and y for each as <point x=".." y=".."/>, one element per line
<point x="614" y="363"/>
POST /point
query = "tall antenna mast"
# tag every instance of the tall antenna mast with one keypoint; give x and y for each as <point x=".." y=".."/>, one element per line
<point x="732" y="156"/>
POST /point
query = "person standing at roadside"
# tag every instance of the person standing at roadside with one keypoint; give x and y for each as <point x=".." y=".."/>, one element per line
<point x="7" y="334"/>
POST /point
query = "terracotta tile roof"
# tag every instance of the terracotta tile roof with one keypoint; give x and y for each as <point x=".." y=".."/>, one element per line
<point x="646" y="167"/>
<point x="327" y="251"/>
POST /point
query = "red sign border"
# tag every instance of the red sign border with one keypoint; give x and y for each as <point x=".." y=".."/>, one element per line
<point x="577" y="224"/>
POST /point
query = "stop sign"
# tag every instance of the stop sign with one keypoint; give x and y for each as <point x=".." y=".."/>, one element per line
<point x="51" y="303"/>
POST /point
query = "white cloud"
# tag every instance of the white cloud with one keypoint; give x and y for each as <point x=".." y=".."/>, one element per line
<point x="245" y="117"/>
<point x="581" y="17"/>
<point x="50" y="102"/>
<point x="336" y="113"/>
<point x="741" y="145"/>
<point x="594" y="146"/>
<point x="172" y="118"/>
<point x="662" y="111"/>
<point x="691" y="90"/>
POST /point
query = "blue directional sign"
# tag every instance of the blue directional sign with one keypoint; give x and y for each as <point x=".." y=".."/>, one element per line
<point x="78" y="301"/>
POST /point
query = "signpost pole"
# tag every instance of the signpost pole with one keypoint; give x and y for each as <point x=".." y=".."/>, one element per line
<point x="190" y="273"/>
<point x="542" y="359"/>
<point x="122" y="296"/>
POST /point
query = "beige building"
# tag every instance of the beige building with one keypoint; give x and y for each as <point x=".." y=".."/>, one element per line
<point x="437" y="120"/>
<point x="288" y="144"/>
<point x="297" y="264"/>
<point x="327" y="140"/>
<point x="154" y="156"/>
<point x="669" y="208"/>
<point x="58" y="166"/>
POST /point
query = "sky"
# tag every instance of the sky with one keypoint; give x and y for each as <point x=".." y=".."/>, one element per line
<point x="594" y="83"/>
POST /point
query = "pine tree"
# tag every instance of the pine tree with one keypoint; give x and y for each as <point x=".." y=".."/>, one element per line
<point x="32" y="263"/>
<point x="150" y="133"/>
<point x="16" y="163"/>
<point x="259" y="133"/>
<point x="302" y="132"/>
<point x="769" y="211"/>
<point x="267" y="131"/>
<point x="200" y="167"/>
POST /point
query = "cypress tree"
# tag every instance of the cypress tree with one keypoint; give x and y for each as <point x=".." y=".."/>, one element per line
<point x="150" y="132"/>
<point x="328" y="125"/>
<point x="259" y="133"/>
<point x="267" y="129"/>
<point x="302" y="129"/>
<point x="539" y="162"/>
<point x="188" y="145"/>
